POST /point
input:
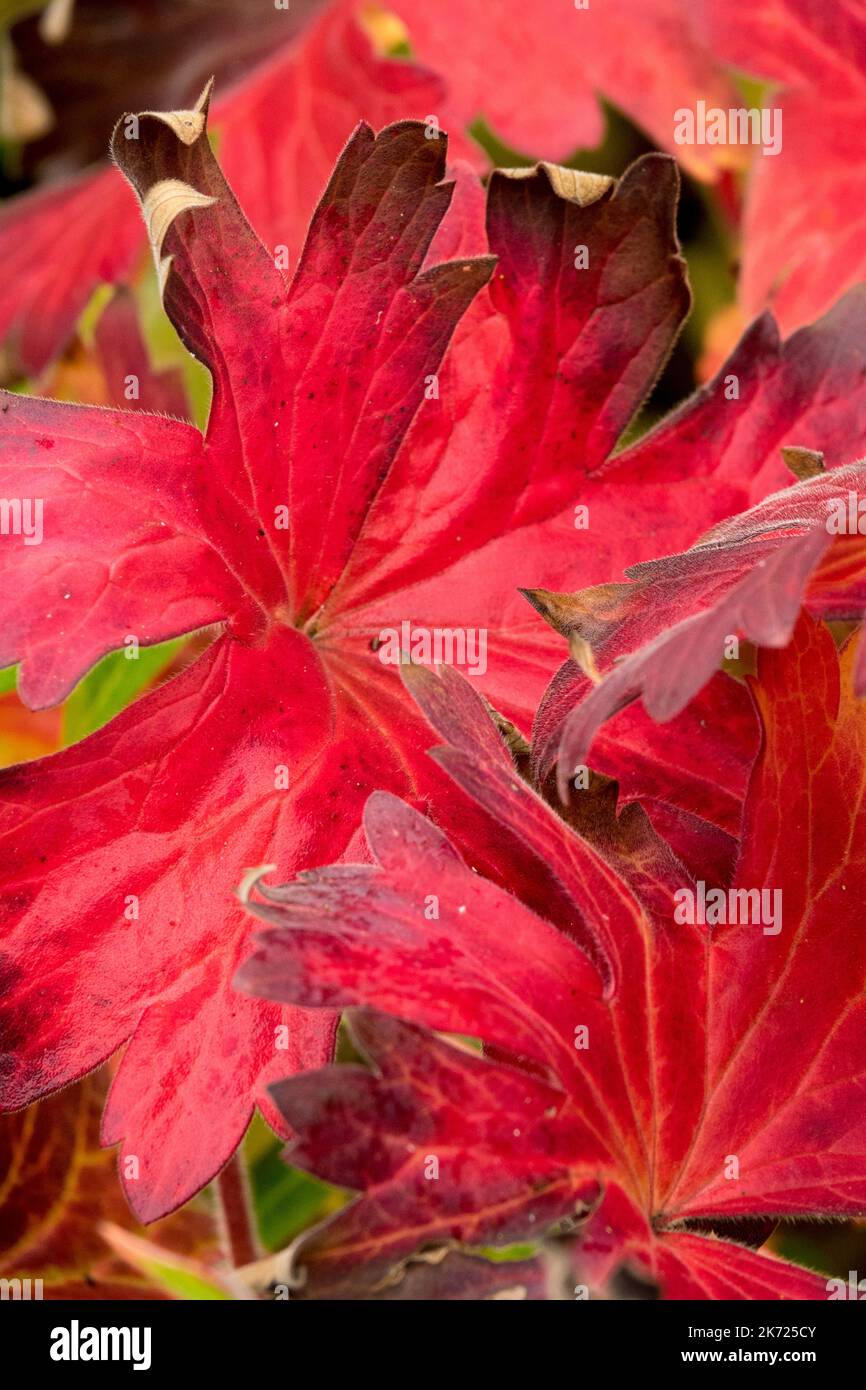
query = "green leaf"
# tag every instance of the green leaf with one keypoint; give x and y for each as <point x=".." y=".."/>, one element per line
<point x="175" y="1274"/>
<point x="286" y="1201"/>
<point x="165" y="349"/>
<point x="181" y="1284"/>
<point x="507" y="1254"/>
<point x="111" y="686"/>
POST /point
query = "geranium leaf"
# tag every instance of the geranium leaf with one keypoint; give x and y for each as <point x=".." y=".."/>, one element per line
<point x="58" y="1185"/>
<point x="170" y="990"/>
<point x="662" y="635"/>
<point x="802" y="234"/>
<point x="712" y="1130"/>
<point x="314" y="77"/>
<point x="508" y="1175"/>
<point x="311" y="532"/>
<point x="647" y="60"/>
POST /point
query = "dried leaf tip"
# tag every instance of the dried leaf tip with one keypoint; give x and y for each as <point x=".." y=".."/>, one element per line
<point x="251" y="880"/>
<point x="188" y="125"/>
<point x="803" y="463"/>
<point x="571" y="184"/>
<point x="581" y="653"/>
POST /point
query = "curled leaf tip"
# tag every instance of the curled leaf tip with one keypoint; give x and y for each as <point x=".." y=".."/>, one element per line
<point x="251" y="880"/>
<point x="571" y="184"/>
<point x="580" y="652"/>
<point x="803" y="463"/>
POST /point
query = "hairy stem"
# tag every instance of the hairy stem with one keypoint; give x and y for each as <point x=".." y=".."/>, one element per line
<point x="236" y="1217"/>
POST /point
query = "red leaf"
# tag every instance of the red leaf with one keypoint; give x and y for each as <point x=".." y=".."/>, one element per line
<point x="123" y="358"/>
<point x="176" y="758"/>
<point x="486" y="485"/>
<point x="283" y="130"/>
<point x="170" y="803"/>
<point x="646" y="59"/>
<point x="43" y="292"/>
<point x="803" y="232"/>
<point x="284" y="124"/>
<point x="397" y="1139"/>
<point x="123" y="554"/>
<point x="720" y="1076"/>
<point x="801" y="1128"/>
<point x="531" y="851"/>
<point x="272" y="741"/>
<point x="663" y="635"/>
<point x="618" y="1251"/>
<point x="280" y="132"/>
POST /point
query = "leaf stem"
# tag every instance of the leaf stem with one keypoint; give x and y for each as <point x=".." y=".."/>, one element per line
<point x="236" y="1217"/>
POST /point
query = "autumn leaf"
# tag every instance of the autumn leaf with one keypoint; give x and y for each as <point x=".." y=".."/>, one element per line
<point x="101" y="239"/>
<point x="802" y="236"/>
<point x="185" y="988"/>
<point x="647" y="60"/>
<point x="58" y="1185"/>
<point x="352" y="479"/>
<point x="280" y="127"/>
<point x="713" y="1077"/>
<point x="24" y="735"/>
<point x="296" y="83"/>
<point x="663" y="634"/>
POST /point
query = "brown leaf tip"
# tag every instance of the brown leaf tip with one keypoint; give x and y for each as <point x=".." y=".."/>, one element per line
<point x="571" y="184"/>
<point x="803" y="463"/>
